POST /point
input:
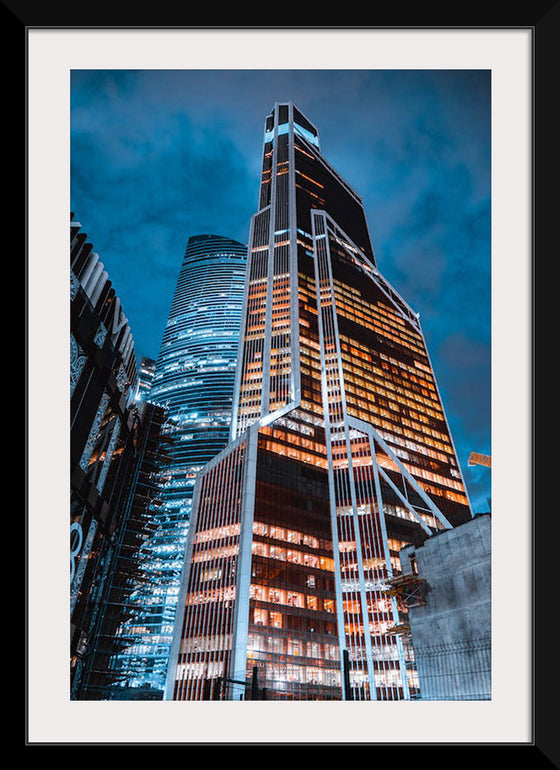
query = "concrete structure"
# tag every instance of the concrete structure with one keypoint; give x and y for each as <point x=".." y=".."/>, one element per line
<point x="449" y="611"/>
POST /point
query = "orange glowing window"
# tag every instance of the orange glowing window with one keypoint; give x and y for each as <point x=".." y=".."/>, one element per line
<point x="276" y="619"/>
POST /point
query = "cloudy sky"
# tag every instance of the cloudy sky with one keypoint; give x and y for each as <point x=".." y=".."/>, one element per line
<point x="158" y="156"/>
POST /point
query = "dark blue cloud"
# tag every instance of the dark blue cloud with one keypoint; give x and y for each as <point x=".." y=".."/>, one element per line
<point x="158" y="156"/>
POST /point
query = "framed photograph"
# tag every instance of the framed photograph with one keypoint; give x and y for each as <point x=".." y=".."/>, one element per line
<point x="151" y="135"/>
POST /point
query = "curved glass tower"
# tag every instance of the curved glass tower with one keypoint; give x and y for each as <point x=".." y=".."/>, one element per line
<point x="195" y="370"/>
<point x="194" y="381"/>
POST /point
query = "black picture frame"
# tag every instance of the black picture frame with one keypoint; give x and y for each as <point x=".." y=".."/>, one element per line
<point x="19" y="17"/>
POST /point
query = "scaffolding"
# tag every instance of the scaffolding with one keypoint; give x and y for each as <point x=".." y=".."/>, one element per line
<point x="410" y="589"/>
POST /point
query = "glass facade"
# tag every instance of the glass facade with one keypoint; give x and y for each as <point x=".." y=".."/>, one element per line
<point x="146" y="372"/>
<point x="193" y="381"/>
<point x="340" y="455"/>
<point x="102" y="438"/>
<point x="113" y="663"/>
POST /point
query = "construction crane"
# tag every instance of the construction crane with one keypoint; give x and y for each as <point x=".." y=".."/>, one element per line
<point x="478" y="459"/>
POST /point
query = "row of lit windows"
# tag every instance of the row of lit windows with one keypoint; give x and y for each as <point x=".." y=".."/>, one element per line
<point x="454" y="496"/>
<point x="292" y="425"/>
<point x="248" y="410"/>
<point x="295" y="454"/>
<point x="310" y="355"/>
<point x="379" y="628"/>
<point x="386" y="331"/>
<point x="388" y="390"/>
<point x="389" y="312"/>
<point x="222" y="594"/>
<point x="421" y="433"/>
<point x="294" y="440"/>
<point x="279" y="366"/>
<point x="384" y="461"/>
<point x="254" y="330"/>
<point x="206" y="332"/>
<point x="255" y="376"/>
<point x="356" y="351"/>
<point x="376" y="310"/>
<point x="403" y="455"/>
<point x="207" y="575"/>
<point x="217" y="533"/>
<point x="359" y="394"/>
<point x="408" y="386"/>
<point x="291" y="675"/>
<point x="423" y="382"/>
<point x="430" y="476"/>
<point x="401" y="512"/>
<point x="211" y="643"/>
<point x="395" y="378"/>
<point x="388" y="678"/>
<point x="225" y="552"/>
<point x="251" y="391"/>
<point x="310" y="179"/>
<point x="379" y="308"/>
<point x="300" y="149"/>
<point x="292" y="556"/>
<point x="385" y="387"/>
<point x="351" y="568"/>
<point x="393" y="438"/>
<point x="279" y="645"/>
<point x="276" y="404"/>
<point x="319" y="199"/>
<point x="275" y="595"/>
<point x="420" y="443"/>
<point x="208" y="669"/>
<point x="288" y="535"/>
<point x="354" y="607"/>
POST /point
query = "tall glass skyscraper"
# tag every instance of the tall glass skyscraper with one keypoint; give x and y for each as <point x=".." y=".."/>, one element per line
<point x="194" y="381"/>
<point x="340" y="455"/>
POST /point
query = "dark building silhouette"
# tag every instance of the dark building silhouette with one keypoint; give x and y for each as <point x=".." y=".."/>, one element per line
<point x="102" y="453"/>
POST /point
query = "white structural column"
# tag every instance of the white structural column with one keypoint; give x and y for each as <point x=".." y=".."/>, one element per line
<point x="349" y="439"/>
<point x="238" y="665"/>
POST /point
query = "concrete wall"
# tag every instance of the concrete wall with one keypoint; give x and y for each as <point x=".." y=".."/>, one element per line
<point x="451" y="633"/>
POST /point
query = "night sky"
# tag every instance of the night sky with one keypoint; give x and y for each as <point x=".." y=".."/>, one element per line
<point x="158" y="156"/>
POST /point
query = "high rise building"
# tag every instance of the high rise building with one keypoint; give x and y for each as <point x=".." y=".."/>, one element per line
<point x="340" y="455"/>
<point x="116" y="638"/>
<point x="193" y="381"/>
<point x="146" y="372"/>
<point x="102" y="434"/>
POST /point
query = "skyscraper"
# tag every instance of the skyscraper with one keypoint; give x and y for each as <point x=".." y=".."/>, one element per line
<point x="193" y="380"/>
<point x="102" y="433"/>
<point x="117" y="458"/>
<point x="340" y="455"/>
<point x="116" y="640"/>
<point x="146" y="372"/>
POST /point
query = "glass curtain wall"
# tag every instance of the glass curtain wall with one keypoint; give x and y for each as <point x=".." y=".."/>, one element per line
<point x="194" y="381"/>
<point x="347" y="457"/>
